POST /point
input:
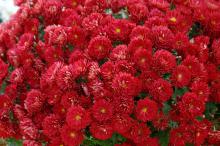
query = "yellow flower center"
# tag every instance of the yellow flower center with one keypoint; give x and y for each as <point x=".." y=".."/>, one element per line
<point x="72" y="134"/>
<point x="74" y="3"/>
<point x="144" y="110"/>
<point x="78" y="117"/>
<point x="103" y="110"/>
<point x="173" y="19"/>
<point x="117" y="30"/>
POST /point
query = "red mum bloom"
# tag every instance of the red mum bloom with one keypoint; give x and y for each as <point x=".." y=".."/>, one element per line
<point x="108" y="70"/>
<point x="139" y="132"/>
<point x="125" y="84"/>
<point x="146" y="110"/>
<point x="201" y="89"/>
<point x="70" y="99"/>
<point x="28" y="129"/>
<point x="123" y="105"/>
<point x="141" y="32"/>
<point x="101" y="131"/>
<point x="55" y="35"/>
<point x="181" y="76"/>
<point x="34" y="101"/>
<point x="65" y="79"/>
<point x="99" y="47"/>
<point x="138" y="11"/>
<point x="70" y="136"/>
<point x="56" y="142"/>
<point x="77" y="36"/>
<point x="142" y="58"/>
<point x="191" y="106"/>
<point x="31" y="143"/>
<point x="3" y="69"/>
<point x="120" y="53"/>
<point x="161" y="90"/>
<point x="51" y="125"/>
<point x="163" y="37"/>
<point x="77" y="117"/>
<point x="138" y="43"/>
<point x="17" y="76"/>
<point x="92" y="22"/>
<point x="102" y="110"/>
<point x="5" y="105"/>
<point x="193" y="65"/>
<point x="147" y="78"/>
<point x="163" y="62"/>
<point x="122" y="123"/>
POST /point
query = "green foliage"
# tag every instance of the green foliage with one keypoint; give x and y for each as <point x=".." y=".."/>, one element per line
<point x="13" y="142"/>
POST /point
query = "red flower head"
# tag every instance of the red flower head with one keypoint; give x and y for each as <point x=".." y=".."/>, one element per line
<point x="201" y="89"/>
<point x="108" y="70"/>
<point x="70" y="136"/>
<point x="123" y="105"/>
<point x="163" y="37"/>
<point x="193" y="65"/>
<point x="138" y="43"/>
<point x="65" y="79"/>
<point x="5" y="105"/>
<point x="125" y="84"/>
<point x="78" y="118"/>
<point x="141" y="32"/>
<point x="101" y="131"/>
<point x="138" y="11"/>
<point x="142" y="58"/>
<point x="55" y="35"/>
<point x="161" y="90"/>
<point x="17" y="76"/>
<point x="120" y="52"/>
<point x="102" y="110"/>
<point x="31" y="143"/>
<point x="146" y="110"/>
<point x="70" y="99"/>
<point x="181" y="76"/>
<point x="77" y="36"/>
<point x="163" y="62"/>
<point x="3" y="69"/>
<point x="191" y="106"/>
<point x="122" y="123"/>
<point x="34" y="101"/>
<point x="99" y="47"/>
<point x="51" y="125"/>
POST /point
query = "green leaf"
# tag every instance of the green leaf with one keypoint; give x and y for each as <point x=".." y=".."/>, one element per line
<point x="166" y="108"/>
<point x="13" y="142"/>
<point x="164" y="137"/>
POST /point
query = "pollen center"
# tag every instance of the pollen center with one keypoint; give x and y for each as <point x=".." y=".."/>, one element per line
<point x="103" y="110"/>
<point x="173" y="19"/>
<point x="72" y="134"/>
<point x="117" y="30"/>
<point x="144" y="110"/>
<point x="78" y="117"/>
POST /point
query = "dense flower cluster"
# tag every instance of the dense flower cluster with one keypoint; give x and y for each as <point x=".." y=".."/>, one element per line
<point x="133" y="71"/>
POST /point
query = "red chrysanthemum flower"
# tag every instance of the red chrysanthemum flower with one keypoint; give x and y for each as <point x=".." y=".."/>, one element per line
<point x="5" y="105"/>
<point x="31" y="143"/>
<point x="191" y="106"/>
<point x="161" y="90"/>
<point x="163" y="62"/>
<point x="77" y="117"/>
<point x="3" y="69"/>
<point x="99" y="47"/>
<point x="51" y="125"/>
<point x="71" y="137"/>
<point x="201" y="89"/>
<point x="138" y="43"/>
<point x="108" y="70"/>
<point x="34" y="101"/>
<point x="193" y="65"/>
<point x="163" y="37"/>
<point x="102" y="110"/>
<point x="141" y="32"/>
<point x="17" y="76"/>
<point x="28" y="129"/>
<point x="125" y="84"/>
<point x="101" y="131"/>
<point x="120" y="52"/>
<point x="146" y="110"/>
<point x="142" y="58"/>
<point x="138" y="11"/>
<point x="123" y="104"/>
<point x="122" y="123"/>
<point x="70" y="99"/>
<point x="65" y="79"/>
<point x="181" y="76"/>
